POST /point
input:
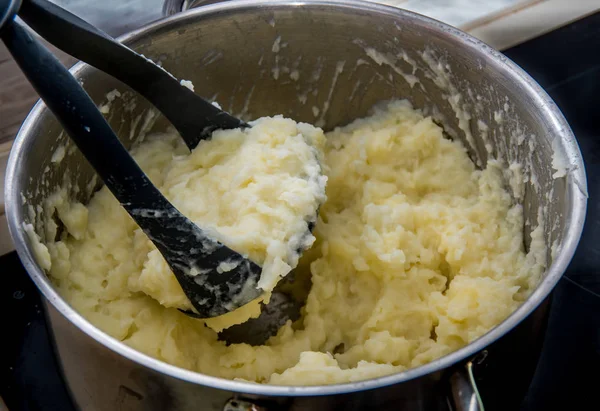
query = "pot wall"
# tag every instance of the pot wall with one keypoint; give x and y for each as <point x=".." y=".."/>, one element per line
<point x="325" y="63"/>
<point x="101" y="380"/>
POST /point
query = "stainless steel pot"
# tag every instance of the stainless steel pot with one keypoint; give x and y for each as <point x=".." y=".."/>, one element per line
<point x="325" y="62"/>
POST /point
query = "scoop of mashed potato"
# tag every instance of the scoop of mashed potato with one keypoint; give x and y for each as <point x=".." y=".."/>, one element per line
<point x="417" y="252"/>
<point x="255" y="189"/>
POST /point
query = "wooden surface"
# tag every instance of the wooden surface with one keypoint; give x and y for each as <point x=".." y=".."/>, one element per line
<point x="16" y="94"/>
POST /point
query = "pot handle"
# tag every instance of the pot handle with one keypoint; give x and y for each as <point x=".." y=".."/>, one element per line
<point x="236" y="404"/>
<point x="463" y="395"/>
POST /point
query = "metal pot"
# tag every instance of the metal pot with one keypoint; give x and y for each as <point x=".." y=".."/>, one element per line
<point x="321" y="62"/>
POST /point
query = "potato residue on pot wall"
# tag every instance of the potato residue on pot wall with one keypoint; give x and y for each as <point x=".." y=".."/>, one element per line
<point x="417" y="254"/>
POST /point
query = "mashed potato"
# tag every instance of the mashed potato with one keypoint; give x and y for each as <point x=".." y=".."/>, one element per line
<point x="417" y="252"/>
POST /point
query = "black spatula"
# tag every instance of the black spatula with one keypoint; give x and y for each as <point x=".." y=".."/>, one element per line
<point x="192" y="256"/>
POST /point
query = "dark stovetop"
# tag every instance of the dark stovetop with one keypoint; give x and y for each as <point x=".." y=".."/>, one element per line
<point x="566" y="62"/>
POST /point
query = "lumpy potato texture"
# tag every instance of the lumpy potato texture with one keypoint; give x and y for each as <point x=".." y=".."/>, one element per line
<point x="417" y="253"/>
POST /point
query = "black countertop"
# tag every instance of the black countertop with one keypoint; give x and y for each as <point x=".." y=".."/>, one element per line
<point x="566" y="62"/>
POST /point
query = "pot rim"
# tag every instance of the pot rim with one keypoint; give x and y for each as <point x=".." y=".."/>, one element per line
<point x="577" y="188"/>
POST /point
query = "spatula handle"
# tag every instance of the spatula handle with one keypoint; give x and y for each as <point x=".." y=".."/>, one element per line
<point x="80" y="117"/>
<point x="194" y="117"/>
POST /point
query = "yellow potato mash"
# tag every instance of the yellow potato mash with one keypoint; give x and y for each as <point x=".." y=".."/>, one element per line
<point x="417" y="252"/>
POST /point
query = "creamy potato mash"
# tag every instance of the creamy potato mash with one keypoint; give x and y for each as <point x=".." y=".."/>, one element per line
<point x="417" y="252"/>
